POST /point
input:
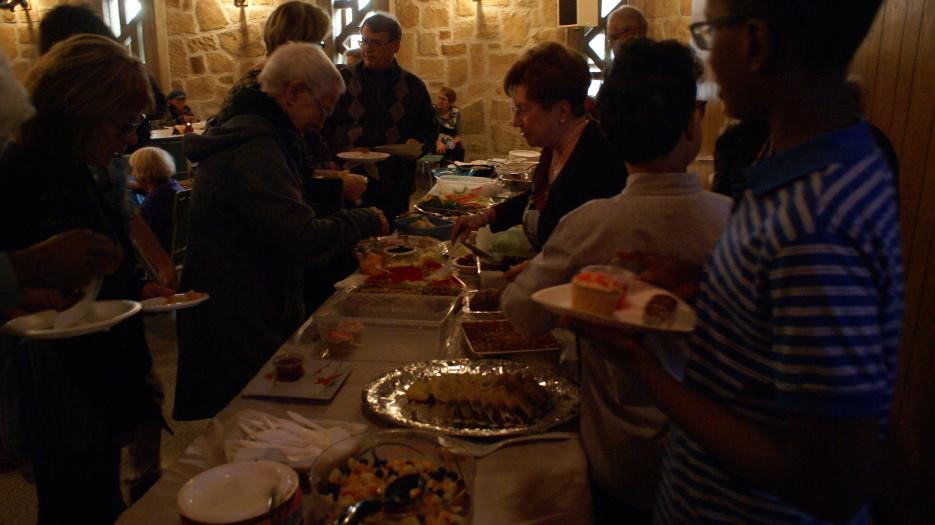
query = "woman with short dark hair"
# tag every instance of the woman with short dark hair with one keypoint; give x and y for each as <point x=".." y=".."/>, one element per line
<point x="549" y="85"/>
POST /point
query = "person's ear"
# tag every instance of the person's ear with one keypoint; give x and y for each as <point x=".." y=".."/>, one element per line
<point x="395" y="45"/>
<point x="564" y="108"/>
<point x="694" y="125"/>
<point x="759" y="46"/>
<point x="293" y="91"/>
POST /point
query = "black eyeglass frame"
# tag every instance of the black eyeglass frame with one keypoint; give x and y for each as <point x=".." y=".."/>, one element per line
<point x="699" y="29"/>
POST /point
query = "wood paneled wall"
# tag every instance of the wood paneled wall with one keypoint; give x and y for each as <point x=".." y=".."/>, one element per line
<point x="896" y="65"/>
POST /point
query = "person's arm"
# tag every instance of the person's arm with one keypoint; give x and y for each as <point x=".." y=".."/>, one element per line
<point x="150" y="248"/>
<point x="272" y="206"/>
<point x="829" y="377"/>
<point x="821" y="464"/>
<point x="555" y="264"/>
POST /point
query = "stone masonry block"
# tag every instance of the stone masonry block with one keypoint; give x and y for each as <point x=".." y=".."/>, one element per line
<point x="472" y="117"/>
<point x="457" y="72"/>
<point x="515" y="29"/>
<point x="219" y="63"/>
<point x="408" y="15"/>
<point x="430" y="68"/>
<point x="200" y="44"/>
<point x="197" y="64"/>
<point x="200" y="88"/>
<point x="8" y="40"/>
<point x="428" y="43"/>
<point x="178" y="59"/>
<point x="179" y="22"/>
<point x="435" y="17"/>
<point x="210" y="15"/>
<point x="478" y="60"/>
<point x="454" y="49"/>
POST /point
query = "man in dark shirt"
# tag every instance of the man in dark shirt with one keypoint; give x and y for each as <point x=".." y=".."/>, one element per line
<point x="383" y="104"/>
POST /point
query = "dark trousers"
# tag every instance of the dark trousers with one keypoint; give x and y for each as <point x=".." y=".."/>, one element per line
<point x="77" y="486"/>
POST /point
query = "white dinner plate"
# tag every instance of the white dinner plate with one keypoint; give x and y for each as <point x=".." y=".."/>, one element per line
<point x="162" y="304"/>
<point x="557" y="300"/>
<point x="363" y="156"/>
<point x="102" y="316"/>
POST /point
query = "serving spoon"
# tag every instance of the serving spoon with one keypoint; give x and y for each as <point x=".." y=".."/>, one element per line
<point x="397" y="494"/>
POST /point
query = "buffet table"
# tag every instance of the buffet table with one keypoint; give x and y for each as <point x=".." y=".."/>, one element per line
<point x="532" y="483"/>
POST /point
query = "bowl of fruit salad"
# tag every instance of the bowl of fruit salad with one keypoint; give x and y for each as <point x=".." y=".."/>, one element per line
<point x="396" y="476"/>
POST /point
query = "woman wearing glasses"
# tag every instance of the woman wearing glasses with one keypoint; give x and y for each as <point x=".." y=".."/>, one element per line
<point x="549" y="85"/>
<point x="82" y="398"/>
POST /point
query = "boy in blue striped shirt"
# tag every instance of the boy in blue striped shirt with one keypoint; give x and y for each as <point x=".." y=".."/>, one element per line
<point x="788" y="388"/>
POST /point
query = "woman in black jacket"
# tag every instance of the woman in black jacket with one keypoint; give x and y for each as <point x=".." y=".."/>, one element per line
<point x="84" y="397"/>
<point x="549" y="86"/>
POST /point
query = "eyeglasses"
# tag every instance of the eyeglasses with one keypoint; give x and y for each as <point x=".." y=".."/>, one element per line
<point x="703" y="32"/>
<point x="125" y="130"/>
<point x="325" y="112"/>
<point x="374" y="43"/>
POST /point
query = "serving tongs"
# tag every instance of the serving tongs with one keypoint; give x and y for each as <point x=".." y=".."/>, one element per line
<point x="480" y="253"/>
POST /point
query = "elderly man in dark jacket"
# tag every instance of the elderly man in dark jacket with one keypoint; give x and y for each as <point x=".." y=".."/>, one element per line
<point x="252" y="232"/>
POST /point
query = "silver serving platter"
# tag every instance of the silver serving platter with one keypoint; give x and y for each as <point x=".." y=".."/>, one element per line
<point x="386" y="395"/>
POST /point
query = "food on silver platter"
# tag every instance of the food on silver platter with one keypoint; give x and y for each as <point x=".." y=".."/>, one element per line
<point x="443" y="500"/>
<point x="478" y="400"/>
<point x="660" y="309"/>
<point x="600" y="289"/>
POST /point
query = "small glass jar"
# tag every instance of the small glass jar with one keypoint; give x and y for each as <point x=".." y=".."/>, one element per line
<point x="289" y="367"/>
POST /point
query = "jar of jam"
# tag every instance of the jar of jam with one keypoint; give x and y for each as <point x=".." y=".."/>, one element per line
<point x="289" y="367"/>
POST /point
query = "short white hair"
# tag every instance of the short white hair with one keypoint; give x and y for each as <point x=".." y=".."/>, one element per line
<point x="152" y="165"/>
<point x="16" y="107"/>
<point x="304" y="62"/>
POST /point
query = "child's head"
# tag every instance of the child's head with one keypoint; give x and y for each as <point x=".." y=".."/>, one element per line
<point x="647" y="102"/>
<point x="152" y="166"/>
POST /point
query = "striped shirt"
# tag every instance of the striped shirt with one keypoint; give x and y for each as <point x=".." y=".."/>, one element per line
<point x="799" y="313"/>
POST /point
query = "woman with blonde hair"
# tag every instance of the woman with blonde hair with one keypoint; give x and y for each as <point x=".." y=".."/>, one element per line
<point x="81" y="398"/>
<point x="153" y="169"/>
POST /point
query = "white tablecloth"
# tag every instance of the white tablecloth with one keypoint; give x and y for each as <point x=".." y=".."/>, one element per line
<point x="530" y="483"/>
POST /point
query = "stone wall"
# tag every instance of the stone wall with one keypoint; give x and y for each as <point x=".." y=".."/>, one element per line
<point x="212" y="44"/>
<point x="19" y="33"/>
<point x="465" y="44"/>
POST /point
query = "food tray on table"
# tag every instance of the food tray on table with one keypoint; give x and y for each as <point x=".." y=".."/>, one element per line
<point x="484" y="398"/>
<point x="369" y="305"/>
<point x="499" y="336"/>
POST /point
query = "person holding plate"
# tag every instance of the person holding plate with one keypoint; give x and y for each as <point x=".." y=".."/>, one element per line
<point x="648" y="110"/>
<point x="252" y="231"/>
<point x="384" y="105"/>
<point x="82" y="398"/>
<point x="549" y="86"/>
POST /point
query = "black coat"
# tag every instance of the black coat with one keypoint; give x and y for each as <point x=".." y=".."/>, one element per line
<point x="251" y="235"/>
<point x="94" y="384"/>
<point x="592" y="171"/>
